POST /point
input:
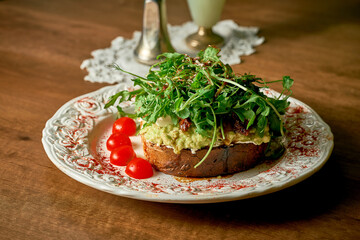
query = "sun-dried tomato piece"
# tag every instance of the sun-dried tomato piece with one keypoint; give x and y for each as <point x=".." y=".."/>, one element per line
<point x="185" y="124"/>
<point x="240" y="128"/>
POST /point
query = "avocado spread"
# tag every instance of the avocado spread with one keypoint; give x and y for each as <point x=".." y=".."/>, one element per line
<point x="172" y="136"/>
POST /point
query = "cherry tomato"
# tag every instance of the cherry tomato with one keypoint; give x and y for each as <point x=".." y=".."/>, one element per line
<point x="122" y="155"/>
<point x="116" y="140"/>
<point x="139" y="168"/>
<point x="125" y="125"/>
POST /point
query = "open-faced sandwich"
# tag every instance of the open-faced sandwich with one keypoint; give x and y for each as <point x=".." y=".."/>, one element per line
<point x="199" y="119"/>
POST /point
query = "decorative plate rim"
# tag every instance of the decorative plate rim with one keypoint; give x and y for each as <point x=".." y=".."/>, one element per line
<point x="124" y="191"/>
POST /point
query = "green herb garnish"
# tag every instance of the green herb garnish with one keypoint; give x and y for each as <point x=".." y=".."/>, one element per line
<point x="205" y="91"/>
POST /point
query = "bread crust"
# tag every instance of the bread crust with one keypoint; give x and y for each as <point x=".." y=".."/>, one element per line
<point x="222" y="160"/>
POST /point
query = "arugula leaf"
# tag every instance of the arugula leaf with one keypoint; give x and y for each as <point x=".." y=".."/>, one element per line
<point x="211" y="54"/>
<point x="178" y="103"/>
<point x="185" y="113"/>
<point x="122" y="96"/>
<point x="287" y="82"/>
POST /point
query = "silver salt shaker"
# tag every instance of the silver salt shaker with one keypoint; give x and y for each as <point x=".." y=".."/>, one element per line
<point x="154" y="38"/>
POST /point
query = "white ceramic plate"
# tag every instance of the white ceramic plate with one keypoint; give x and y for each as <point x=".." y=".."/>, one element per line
<point x="74" y="139"/>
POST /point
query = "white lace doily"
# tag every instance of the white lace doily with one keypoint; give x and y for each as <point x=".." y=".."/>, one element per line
<point x="238" y="41"/>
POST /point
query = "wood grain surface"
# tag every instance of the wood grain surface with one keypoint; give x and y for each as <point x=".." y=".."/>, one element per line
<point x="42" y="44"/>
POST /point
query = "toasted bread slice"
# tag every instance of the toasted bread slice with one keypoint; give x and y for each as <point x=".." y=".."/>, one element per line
<point x="222" y="160"/>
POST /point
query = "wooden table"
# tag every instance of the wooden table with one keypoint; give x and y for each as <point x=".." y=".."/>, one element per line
<point x="42" y="44"/>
